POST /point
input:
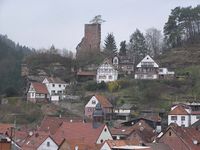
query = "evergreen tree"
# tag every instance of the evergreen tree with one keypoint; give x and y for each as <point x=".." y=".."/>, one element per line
<point x="123" y="48"/>
<point x="110" y="47"/>
<point x="138" y="45"/>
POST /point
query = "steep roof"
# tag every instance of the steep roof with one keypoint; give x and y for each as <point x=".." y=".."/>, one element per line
<point x="189" y="136"/>
<point x="141" y="129"/>
<point x="39" y="87"/>
<point x="78" y="130"/>
<point x="34" y="141"/>
<point x="148" y="59"/>
<point x="179" y="110"/>
<point x="103" y="101"/>
<point x="55" y="80"/>
<point x="5" y="128"/>
<point x="51" y="124"/>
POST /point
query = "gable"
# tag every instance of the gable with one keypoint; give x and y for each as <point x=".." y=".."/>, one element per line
<point x="105" y="146"/>
<point x="148" y="61"/>
<point x="48" y="144"/>
<point x="45" y="81"/>
<point x="31" y="88"/>
<point x="104" y="135"/>
<point x="92" y="102"/>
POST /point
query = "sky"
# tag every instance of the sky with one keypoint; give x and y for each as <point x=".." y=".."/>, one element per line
<point x="41" y="23"/>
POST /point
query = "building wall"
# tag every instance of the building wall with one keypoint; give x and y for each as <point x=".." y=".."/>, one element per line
<point x="90" y="106"/>
<point x="180" y="122"/>
<point x="45" y="146"/>
<point x="105" y="147"/>
<point x="194" y="118"/>
<point x="105" y="135"/>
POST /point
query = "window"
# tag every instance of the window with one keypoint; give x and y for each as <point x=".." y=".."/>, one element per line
<point x="48" y="144"/>
<point x="182" y="118"/>
<point x="53" y="85"/>
<point x="174" y="118"/>
<point x="197" y="116"/>
<point x="59" y="85"/>
<point x="101" y="140"/>
<point x="93" y="102"/>
<point x="170" y="133"/>
<point x="105" y="130"/>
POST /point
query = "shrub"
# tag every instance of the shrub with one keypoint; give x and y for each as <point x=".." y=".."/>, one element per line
<point x="113" y="86"/>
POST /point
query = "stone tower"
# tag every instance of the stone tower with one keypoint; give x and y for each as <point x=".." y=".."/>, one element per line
<point x="91" y="40"/>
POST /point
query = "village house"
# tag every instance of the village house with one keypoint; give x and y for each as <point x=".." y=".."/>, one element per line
<point x="39" y="141"/>
<point x="183" y="115"/>
<point x="38" y="93"/>
<point x="106" y="106"/>
<point x="164" y="73"/>
<point x="180" y="138"/>
<point x="124" y="112"/>
<point x="140" y="131"/>
<point x="106" y="72"/>
<point x="124" y="63"/>
<point x="56" y="88"/>
<point x="147" y="69"/>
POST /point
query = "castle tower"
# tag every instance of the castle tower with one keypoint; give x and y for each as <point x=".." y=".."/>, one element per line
<point x="91" y="40"/>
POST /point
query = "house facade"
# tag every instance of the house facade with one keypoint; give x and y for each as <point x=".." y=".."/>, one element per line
<point x="106" y="72"/>
<point x="183" y="115"/>
<point x="124" y="63"/>
<point x="56" y="88"/>
<point x="37" y="92"/>
<point x="105" y="105"/>
<point x="164" y="73"/>
<point x="124" y="112"/>
<point x="147" y="69"/>
<point x="48" y="144"/>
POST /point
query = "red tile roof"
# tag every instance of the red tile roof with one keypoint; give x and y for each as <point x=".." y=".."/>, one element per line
<point x="78" y="130"/>
<point x="40" y="88"/>
<point x="141" y="130"/>
<point x="103" y="101"/>
<point x="51" y="124"/>
<point x="179" y="110"/>
<point x="55" y="80"/>
<point x="184" y="136"/>
<point x="34" y="141"/>
<point x="5" y="128"/>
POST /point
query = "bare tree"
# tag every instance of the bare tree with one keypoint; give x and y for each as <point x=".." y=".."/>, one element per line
<point x="154" y="41"/>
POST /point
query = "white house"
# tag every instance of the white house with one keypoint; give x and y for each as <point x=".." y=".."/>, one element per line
<point x="183" y="115"/>
<point x="106" y="72"/>
<point x="147" y="69"/>
<point x="164" y="73"/>
<point x="56" y="88"/>
<point x="48" y="144"/>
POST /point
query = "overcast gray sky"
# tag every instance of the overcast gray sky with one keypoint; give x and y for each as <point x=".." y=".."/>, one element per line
<point x="40" y="23"/>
